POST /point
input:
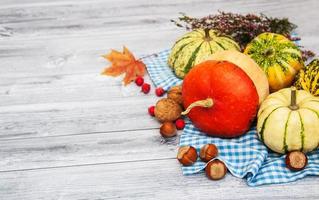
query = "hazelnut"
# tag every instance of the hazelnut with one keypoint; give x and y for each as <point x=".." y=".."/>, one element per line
<point x="167" y="110"/>
<point x="216" y="170"/>
<point x="168" y="129"/>
<point x="208" y="152"/>
<point x="187" y="155"/>
<point x="296" y="160"/>
<point x="175" y="93"/>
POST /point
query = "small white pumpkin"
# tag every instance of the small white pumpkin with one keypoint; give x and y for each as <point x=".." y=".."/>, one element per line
<point x="288" y="120"/>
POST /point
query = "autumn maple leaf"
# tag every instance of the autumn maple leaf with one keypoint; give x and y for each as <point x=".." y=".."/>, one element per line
<point x="124" y="62"/>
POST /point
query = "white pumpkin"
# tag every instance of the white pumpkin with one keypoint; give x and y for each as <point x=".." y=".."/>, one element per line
<point x="288" y="120"/>
<point x="252" y="69"/>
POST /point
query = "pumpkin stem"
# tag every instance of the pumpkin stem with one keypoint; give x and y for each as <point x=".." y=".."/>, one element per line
<point x="207" y="103"/>
<point x="268" y="52"/>
<point x="293" y="101"/>
<point x="207" y="37"/>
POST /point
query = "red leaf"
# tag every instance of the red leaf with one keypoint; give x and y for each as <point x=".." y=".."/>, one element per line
<point x="124" y="62"/>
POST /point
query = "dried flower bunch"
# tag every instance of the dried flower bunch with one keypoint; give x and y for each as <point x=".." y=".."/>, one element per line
<point x="243" y="28"/>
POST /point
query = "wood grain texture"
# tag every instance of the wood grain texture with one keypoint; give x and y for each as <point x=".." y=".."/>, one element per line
<point x="49" y="119"/>
<point x="66" y="88"/>
<point x="154" y="179"/>
<point x="85" y="149"/>
<point x="68" y="133"/>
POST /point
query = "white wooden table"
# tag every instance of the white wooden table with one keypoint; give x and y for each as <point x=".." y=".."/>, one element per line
<point x="68" y="133"/>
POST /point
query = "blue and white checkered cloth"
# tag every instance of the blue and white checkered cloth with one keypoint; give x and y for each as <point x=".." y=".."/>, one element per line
<point x="245" y="157"/>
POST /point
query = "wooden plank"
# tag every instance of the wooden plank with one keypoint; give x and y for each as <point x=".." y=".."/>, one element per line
<point x="93" y="14"/>
<point x="45" y="152"/>
<point x="72" y="55"/>
<point x="66" y="88"/>
<point x="51" y="119"/>
<point x="157" y="179"/>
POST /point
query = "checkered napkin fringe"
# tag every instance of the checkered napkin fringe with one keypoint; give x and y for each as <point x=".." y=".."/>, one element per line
<point x="245" y="157"/>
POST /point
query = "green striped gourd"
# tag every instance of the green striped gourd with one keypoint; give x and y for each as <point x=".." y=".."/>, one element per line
<point x="288" y="120"/>
<point x="308" y="78"/>
<point x="279" y="57"/>
<point x="194" y="47"/>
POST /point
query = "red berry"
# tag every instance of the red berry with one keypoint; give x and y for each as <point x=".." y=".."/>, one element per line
<point x="159" y="92"/>
<point x="151" y="110"/>
<point x="180" y="124"/>
<point x="146" y="88"/>
<point x="139" y="81"/>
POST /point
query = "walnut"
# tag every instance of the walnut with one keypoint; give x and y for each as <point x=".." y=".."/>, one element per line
<point x="167" y="110"/>
<point x="175" y="93"/>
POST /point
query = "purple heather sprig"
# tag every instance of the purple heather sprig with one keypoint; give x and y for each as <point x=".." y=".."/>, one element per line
<point x="243" y="28"/>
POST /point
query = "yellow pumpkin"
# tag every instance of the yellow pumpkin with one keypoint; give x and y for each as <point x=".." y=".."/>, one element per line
<point x="288" y="120"/>
<point x="279" y="57"/>
<point x="250" y="67"/>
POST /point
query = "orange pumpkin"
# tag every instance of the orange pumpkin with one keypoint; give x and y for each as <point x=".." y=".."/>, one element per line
<point x="220" y="98"/>
<point x="256" y="74"/>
